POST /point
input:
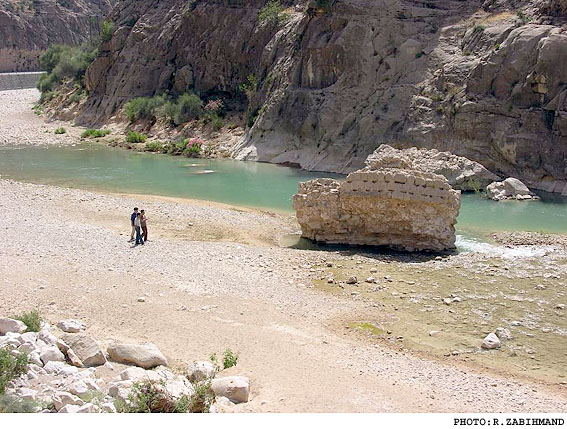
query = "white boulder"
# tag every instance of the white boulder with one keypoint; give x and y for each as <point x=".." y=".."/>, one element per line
<point x="11" y="325"/>
<point x="71" y="326"/>
<point x="51" y="354"/>
<point x="236" y="388"/>
<point x="491" y="342"/>
<point x="62" y="399"/>
<point x="143" y="355"/>
<point x="510" y="188"/>
<point x="85" y="349"/>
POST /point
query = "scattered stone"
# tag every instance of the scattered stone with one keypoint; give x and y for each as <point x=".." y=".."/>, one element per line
<point x="54" y="367"/>
<point x="433" y="333"/>
<point x="370" y="280"/>
<point x="447" y="301"/>
<point x="78" y="387"/>
<point x="491" y="342"/>
<point x="144" y="355"/>
<point x="87" y="408"/>
<point x="352" y="280"/>
<point x="560" y="306"/>
<point x="236" y="388"/>
<point x="11" y="325"/>
<point x="503" y="333"/>
<point x="108" y="407"/>
<point x="141" y="299"/>
<point x="71" y="326"/>
<point x="69" y="409"/>
<point x="86" y="349"/>
<point x="201" y="370"/>
<point x="62" y="399"/>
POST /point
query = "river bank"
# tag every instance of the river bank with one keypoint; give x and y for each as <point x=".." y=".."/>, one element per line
<point x="209" y="295"/>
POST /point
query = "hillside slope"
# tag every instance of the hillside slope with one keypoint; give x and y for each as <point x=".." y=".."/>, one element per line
<point x="28" y="27"/>
<point x="485" y="80"/>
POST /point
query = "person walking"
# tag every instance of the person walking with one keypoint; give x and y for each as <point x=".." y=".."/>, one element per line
<point x="138" y="226"/>
<point x="132" y="219"/>
<point x="144" y="223"/>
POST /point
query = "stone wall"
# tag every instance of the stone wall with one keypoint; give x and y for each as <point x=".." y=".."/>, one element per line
<point x="404" y="209"/>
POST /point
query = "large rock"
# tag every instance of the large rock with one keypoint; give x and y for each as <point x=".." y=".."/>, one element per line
<point x="396" y="206"/>
<point x="510" y="188"/>
<point x="85" y="349"/>
<point x="460" y="172"/>
<point x="11" y="325"/>
<point x="142" y="355"/>
<point x="51" y="354"/>
<point x="62" y="399"/>
<point x="236" y="388"/>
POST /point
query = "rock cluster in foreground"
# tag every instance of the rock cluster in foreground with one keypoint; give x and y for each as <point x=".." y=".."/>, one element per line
<point x="388" y="203"/>
<point x="71" y="374"/>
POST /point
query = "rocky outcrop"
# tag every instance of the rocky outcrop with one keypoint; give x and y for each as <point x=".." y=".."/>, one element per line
<point x="478" y="79"/>
<point x="394" y="205"/>
<point x="509" y="189"/>
<point x="29" y="28"/>
<point x="461" y="173"/>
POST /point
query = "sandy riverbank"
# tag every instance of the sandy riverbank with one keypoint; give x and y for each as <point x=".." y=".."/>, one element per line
<point x="214" y="277"/>
<point x="65" y="252"/>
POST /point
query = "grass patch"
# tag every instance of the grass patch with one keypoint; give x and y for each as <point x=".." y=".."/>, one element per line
<point x="13" y="404"/>
<point x="32" y="319"/>
<point x="156" y="146"/>
<point x="92" y="133"/>
<point x="60" y="130"/>
<point x="11" y="367"/>
<point x="135" y="137"/>
<point x="229" y="359"/>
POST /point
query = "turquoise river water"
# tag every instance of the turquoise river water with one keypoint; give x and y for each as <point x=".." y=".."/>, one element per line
<point x="251" y="184"/>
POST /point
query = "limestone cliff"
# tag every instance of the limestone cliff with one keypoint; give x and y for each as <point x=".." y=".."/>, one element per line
<point x="482" y="80"/>
<point x="29" y="27"/>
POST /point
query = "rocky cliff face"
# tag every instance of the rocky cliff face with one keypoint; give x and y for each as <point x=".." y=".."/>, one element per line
<point x="484" y="80"/>
<point x="29" y="27"/>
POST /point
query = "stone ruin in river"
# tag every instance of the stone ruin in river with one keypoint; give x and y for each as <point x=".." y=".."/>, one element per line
<point x="391" y="202"/>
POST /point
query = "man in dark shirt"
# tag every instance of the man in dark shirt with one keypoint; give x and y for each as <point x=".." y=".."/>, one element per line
<point x="132" y="219"/>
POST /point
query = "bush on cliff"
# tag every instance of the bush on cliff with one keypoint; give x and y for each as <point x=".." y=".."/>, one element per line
<point x="106" y="30"/>
<point x="65" y="62"/>
<point x="184" y="109"/>
<point x="272" y="13"/>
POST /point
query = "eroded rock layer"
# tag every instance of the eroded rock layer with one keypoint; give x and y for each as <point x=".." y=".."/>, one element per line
<point x="404" y="209"/>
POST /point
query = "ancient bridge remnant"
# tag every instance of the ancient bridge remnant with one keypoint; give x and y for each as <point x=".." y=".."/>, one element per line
<point x="395" y="205"/>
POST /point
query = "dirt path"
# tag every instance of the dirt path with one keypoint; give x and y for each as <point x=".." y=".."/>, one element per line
<point x="63" y="253"/>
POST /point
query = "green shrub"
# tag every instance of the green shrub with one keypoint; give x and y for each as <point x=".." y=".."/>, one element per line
<point x="135" y="137"/>
<point x="60" y="130"/>
<point x="144" y="107"/>
<point x="229" y="359"/>
<point x="154" y="146"/>
<point x="13" y="404"/>
<point x="11" y="367"/>
<point x="186" y="108"/>
<point x="32" y="319"/>
<point x="192" y="151"/>
<point x="65" y="62"/>
<point x="106" y="30"/>
<point x="324" y="5"/>
<point x="272" y="13"/>
<point x="152" y="397"/>
<point x="91" y="133"/>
